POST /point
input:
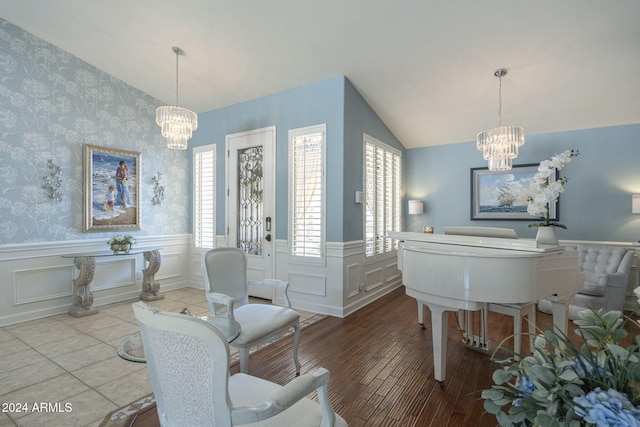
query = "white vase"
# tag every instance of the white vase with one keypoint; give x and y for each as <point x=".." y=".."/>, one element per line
<point x="547" y="236"/>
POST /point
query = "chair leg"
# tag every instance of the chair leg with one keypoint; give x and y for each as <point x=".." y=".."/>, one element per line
<point x="296" y="340"/>
<point x="243" y="353"/>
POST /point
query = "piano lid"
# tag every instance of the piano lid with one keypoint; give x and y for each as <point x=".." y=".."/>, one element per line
<point x="529" y="245"/>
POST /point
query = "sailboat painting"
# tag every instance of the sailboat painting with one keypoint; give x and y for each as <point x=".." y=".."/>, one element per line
<point x="503" y="195"/>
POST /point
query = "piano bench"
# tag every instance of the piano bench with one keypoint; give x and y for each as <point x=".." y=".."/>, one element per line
<point x="518" y="311"/>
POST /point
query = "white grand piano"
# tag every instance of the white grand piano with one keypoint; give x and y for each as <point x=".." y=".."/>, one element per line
<point x="462" y="272"/>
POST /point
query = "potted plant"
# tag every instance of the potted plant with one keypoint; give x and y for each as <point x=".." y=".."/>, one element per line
<point x="121" y="243"/>
<point x="567" y="385"/>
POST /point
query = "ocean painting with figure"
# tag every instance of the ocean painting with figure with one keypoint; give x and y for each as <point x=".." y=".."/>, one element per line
<point x="113" y="188"/>
<point x="502" y="194"/>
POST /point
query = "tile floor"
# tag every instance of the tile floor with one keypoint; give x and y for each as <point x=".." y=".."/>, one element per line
<point x="65" y="371"/>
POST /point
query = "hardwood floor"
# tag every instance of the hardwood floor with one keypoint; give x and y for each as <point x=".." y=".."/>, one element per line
<point x="381" y="366"/>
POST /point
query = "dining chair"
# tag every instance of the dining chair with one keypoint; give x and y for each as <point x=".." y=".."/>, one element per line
<point x="188" y="363"/>
<point x="225" y="272"/>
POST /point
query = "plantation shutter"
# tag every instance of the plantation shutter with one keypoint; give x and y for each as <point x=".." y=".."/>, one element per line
<point x="307" y="192"/>
<point x="383" y="172"/>
<point x="204" y="178"/>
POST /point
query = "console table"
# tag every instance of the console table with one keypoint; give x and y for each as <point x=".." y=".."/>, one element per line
<point x="86" y="264"/>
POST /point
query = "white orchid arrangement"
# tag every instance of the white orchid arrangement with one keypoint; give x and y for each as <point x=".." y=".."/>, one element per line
<point x="547" y="190"/>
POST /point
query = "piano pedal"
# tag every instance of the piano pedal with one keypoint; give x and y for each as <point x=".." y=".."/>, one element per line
<point x="477" y="343"/>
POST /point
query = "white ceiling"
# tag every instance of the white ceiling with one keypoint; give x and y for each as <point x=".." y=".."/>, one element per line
<point x="425" y="66"/>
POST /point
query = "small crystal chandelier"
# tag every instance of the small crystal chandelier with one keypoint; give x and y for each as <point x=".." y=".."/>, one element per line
<point x="500" y="145"/>
<point x="177" y="123"/>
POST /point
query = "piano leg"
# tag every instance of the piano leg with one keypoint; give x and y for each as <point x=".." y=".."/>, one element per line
<point x="439" y="324"/>
<point x="560" y="312"/>
<point x="421" y="314"/>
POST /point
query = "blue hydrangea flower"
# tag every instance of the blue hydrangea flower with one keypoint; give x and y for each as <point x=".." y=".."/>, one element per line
<point x="525" y="385"/>
<point x="607" y="409"/>
<point x="584" y="364"/>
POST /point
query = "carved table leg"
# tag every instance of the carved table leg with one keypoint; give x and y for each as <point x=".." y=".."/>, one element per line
<point x="82" y="296"/>
<point x="150" y="286"/>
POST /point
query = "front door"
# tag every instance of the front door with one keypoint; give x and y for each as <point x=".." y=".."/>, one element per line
<point x="251" y="201"/>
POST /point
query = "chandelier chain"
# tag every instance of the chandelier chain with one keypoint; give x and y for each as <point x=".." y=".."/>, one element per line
<point x="499" y="73"/>
<point x="499" y="101"/>
<point x="178" y="52"/>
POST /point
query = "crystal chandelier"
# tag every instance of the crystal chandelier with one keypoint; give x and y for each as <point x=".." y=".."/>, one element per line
<point x="177" y="123"/>
<point x="500" y="145"/>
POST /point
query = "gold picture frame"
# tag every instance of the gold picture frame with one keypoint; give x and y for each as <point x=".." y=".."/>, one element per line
<point x="111" y="189"/>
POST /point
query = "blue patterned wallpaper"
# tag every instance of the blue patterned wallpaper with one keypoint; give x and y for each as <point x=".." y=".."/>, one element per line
<point x="51" y="103"/>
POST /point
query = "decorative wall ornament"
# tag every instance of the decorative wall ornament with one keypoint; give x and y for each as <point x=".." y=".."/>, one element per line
<point x="52" y="181"/>
<point x="158" y="190"/>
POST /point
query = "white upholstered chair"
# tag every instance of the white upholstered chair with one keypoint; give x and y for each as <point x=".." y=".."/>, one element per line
<point x="225" y="272"/>
<point x="188" y="362"/>
<point x="606" y="273"/>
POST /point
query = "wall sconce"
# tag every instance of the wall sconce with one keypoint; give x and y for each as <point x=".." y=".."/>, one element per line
<point x="635" y="204"/>
<point x="416" y="207"/>
<point x="52" y="181"/>
<point x="158" y="190"/>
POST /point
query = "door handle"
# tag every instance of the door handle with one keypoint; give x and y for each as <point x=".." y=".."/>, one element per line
<point x="267" y="225"/>
<point x="268" y="237"/>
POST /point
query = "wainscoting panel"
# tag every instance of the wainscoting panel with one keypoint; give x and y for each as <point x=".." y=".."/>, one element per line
<point x="41" y="284"/>
<point x="353" y="280"/>
<point x="114" y="272"/>
<point x="37" y="282"/>
<point x="391" y="272"/>
<point x="171" y="265"/>
<point x="374" y="278"/>
<point x="308" y="284"/>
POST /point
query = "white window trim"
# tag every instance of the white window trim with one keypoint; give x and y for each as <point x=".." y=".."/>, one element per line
<point x="293" y="133"/>
<point x="211" y="148"/>
<point x="367" y="139"/>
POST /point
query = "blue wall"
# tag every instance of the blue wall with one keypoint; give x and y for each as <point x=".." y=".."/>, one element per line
<point x="306" y="106"/>
<point x="51" y="104"/>
<point x="359" y="119"/>
<point x="334" y="102"/>
<point x="596" y="204"/>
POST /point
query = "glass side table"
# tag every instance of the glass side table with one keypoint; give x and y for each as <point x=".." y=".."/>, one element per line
<point x="132" y="349"/>
<point x="86" y="265"/>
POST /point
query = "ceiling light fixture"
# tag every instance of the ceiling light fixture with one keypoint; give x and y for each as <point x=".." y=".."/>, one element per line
<point x="177" y="123"/>
<point x="500" y="145"/>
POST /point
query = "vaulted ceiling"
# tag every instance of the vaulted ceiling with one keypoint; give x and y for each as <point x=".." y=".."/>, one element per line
<point x="425" y="66"/>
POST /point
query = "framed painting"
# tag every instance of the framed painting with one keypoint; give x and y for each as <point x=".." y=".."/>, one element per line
<point x="111" y="189"/>
<point x="503" y="195"/>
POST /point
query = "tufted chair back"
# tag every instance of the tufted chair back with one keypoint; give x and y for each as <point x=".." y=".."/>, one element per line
<point x="606" y="274"/>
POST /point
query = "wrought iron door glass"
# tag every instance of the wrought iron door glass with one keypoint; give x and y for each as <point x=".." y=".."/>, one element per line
<point x="250" y="206"/>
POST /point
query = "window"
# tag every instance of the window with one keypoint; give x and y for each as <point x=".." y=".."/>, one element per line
<point x="307" y="193"/>
<point x="382" y="178"/>
<point x="204" y="196"/>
